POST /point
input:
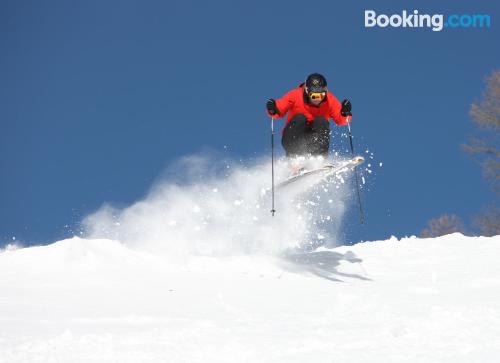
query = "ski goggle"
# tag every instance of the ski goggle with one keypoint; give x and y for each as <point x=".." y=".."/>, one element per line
<point x="317" y="95"/>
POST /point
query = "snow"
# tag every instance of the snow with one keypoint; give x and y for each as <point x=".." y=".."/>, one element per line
<point x="99" y="300"/>
<point x="199" y="271"/>
<point x="182" y="215"/>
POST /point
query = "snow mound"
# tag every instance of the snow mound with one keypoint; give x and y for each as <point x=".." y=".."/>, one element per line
<point x="418" y="300"/>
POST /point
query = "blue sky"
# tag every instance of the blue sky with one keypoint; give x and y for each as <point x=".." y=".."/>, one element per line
<point x="98" y="97"/>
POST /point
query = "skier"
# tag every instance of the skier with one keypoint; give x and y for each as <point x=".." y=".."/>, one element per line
<point x="309" y="107"/>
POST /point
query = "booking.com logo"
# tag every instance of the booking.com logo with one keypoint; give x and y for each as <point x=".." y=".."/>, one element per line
<point x="436" y="22"/>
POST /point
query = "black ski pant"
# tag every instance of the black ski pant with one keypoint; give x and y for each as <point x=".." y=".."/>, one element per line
<point x="303" y="138"/>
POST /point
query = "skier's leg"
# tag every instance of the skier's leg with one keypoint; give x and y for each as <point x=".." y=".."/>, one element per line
<point x="319" y="138"/>
<point x="294" y="133"/>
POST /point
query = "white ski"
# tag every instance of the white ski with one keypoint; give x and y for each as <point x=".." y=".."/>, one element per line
<point x="325" y="171"/>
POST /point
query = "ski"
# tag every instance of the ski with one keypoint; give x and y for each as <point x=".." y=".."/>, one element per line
<point x="325" y="171"/>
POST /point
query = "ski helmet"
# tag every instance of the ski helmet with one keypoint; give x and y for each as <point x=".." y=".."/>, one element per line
<point x="315" y="83"/>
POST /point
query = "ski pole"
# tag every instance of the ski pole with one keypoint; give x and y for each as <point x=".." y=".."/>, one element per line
<point x="272" y="166"/>
<point x="361" y="212"/>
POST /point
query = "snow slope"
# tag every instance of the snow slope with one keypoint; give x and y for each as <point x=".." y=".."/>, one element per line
<point x="98" y="300"/>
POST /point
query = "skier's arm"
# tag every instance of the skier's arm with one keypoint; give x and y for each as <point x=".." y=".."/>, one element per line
<point x="283" y="104"/>
<point x="335" y="108"/>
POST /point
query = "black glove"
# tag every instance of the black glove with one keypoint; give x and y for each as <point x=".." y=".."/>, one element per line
<point x="346" y="108"/>
<point x="271" y="107"/>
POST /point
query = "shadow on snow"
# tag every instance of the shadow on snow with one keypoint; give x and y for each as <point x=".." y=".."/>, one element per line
<point x="324" y="264"/>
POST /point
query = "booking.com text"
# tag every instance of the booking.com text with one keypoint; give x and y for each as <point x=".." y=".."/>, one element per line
<point x="436" y="22"/>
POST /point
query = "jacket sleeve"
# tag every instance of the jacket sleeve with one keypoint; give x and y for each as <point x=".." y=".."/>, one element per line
<point x="284" y="104"/>
<point x="335" y="108"/>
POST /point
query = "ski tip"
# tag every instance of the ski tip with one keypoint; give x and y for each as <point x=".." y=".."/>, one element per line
<point x="358" y="160"/>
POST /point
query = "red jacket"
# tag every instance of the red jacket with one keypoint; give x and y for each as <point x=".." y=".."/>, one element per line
<point x="295" y="102"/>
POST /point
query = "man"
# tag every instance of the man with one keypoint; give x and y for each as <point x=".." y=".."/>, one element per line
<point x="309" y="107"/>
